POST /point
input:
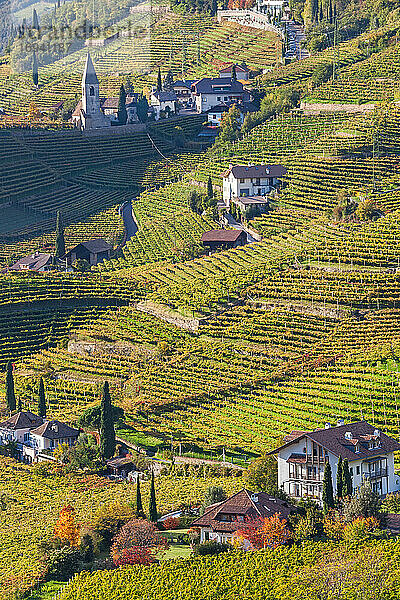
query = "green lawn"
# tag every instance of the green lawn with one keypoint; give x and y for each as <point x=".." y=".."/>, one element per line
<point x="47" y="591"/>
<point x="178" y="551"/>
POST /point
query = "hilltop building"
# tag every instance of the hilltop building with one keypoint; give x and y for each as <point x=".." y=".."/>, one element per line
<point x="251" y="180"/>
<point x="304" y="454"/>
<point x="220" y="521"/>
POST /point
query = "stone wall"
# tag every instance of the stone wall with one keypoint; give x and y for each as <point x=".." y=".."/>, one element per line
<point x="321" y="107"/>
<point x="169" y="315"/>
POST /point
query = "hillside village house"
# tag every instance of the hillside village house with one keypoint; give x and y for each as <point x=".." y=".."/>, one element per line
<point x="93" y="251"/>
<point x="220" y="521"/>
<point x="370" y="453"/>
<point x="217" y="239"/>
<point x="215" y="114"/>
<point x="208" y="93"/>
<point x="242" y="72"/>
<point x="183" y="90"/>
<point x="165" y="102"/>
<point x="250" y="180"/>
<point x="34" y="435"/>
<point x="38" y="261"/>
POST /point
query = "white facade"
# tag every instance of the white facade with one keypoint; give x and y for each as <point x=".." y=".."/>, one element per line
<point x="160" y="105"/>
<point x="301" y="467"/>
<point x="234" y="187"/>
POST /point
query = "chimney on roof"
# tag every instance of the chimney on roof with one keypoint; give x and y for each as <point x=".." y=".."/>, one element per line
<point x="327" y="425"/>
<point x="348" y="435"/>
<point x="377" y="433"/>
<point x="340" y="422"/>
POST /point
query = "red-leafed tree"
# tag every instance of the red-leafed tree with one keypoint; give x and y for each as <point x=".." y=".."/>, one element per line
<point x="66" y="529"/>
<point x="138" y="542"/>
<point x="269" y="532"/>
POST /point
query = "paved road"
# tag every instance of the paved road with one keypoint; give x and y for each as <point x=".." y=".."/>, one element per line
<point x="129" y="222"/>
<point x="235" y="225"/>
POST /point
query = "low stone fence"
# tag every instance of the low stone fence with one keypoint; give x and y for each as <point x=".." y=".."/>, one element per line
<point x="249" y="18"/>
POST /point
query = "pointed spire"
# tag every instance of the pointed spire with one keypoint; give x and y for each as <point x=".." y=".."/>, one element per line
<point x="89" y="74"/>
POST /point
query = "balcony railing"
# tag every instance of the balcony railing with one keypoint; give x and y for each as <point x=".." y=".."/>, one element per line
<point x="375" y="474"/>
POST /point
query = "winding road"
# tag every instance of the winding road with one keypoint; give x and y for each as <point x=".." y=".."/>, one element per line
<point x="130" y="225"/>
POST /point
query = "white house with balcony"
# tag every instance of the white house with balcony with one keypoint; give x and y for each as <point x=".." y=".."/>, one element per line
<point x="303" y="456"/>
<point x="35" y="436"/>
<point x="250" y="180"/>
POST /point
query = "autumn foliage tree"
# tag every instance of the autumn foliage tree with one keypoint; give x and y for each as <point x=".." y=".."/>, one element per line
<point x="138" y="542"/>
<point x="66" y="529"/>
<point x="268" y="532"/>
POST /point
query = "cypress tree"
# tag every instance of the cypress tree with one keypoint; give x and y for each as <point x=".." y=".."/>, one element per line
<point x="159" y="82"/>
<point x="19" y="407"/>
<point x="214" y="7"/>
<point x="347" y="480"/>
<point x="10" y="391"/>
<point x="107" y="431"/>
<point x="330" y="12"/>
<point x="234" y="74"/>
<point x="327" y="489"/>
<point x="60" y="242"/>
<point x="139" y="503"/>
<point x="35" y="20"/>
<point x="210" y="191"/>
<point x="153" y="505"/>
<point x="42" y="400"/>
<point x="35" y="70"/>
<point x="122" y="114"/>
<point x="339" y="478"/>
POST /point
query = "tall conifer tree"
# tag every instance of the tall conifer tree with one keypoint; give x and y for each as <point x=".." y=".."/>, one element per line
<point x="122" y="114"/>
<point x="339" y="478"/>
<point x="139" y="503"/>
<point x="35" y="70"/>
<point x="159" y="81"/>
<point x="347" y="480"/>
<point x="60" y="241"/>
<point x="10" y="391"/>
<point x="42" y="400"/>
<point x="327" y="489"/>
<point x="107" y="431"/>
<point x="153" y="516"/>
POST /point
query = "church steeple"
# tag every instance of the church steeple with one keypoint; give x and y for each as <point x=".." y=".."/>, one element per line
<point x="90" y="89"/>
<point x="89" y="74"/>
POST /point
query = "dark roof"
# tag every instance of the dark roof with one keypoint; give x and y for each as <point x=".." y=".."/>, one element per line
<point x="250" y="171"/>
<point x="165" y="96"/>
<point x="343" y="440"/>
<point x="246" y="504"/>
<point x="94" y="246"/>
<point x="221" y="235"/>
<point x="217" y="85"/>
<point x="187" y="83"/>
<point x="113" y="101"/>
<point x="34" y="262"/>
<point x="22" y="420"/>
<point x="55" y="430"/>
<point x="250" y="200"/>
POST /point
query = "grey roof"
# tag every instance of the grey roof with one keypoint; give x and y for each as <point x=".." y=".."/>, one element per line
<point x="207" y="85"/>
<point x="187" y="83"/>
<point x="255" y="171"/>
<point x="22" y="420"/>
<point x="165" y="96"/>
<point x="35" y="261"/>
<point x="94" y="246"/>
<point x="89" y="74"/>
<point x="241" y="68"/>
<point x="334" y="439"/>
<point x="55" y="430"/>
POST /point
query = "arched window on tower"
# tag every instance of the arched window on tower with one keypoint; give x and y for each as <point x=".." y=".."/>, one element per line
<point x="91" y="91"/>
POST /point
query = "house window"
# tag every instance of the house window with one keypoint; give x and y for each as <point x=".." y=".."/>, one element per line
<point x="245" y="192"/>
<point x="26" y="437"/>
<point x="219" y="98"/>
<point x="358" y="470"/>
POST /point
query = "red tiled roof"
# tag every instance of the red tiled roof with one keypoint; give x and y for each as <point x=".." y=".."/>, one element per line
<point x="245" y="505"/>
